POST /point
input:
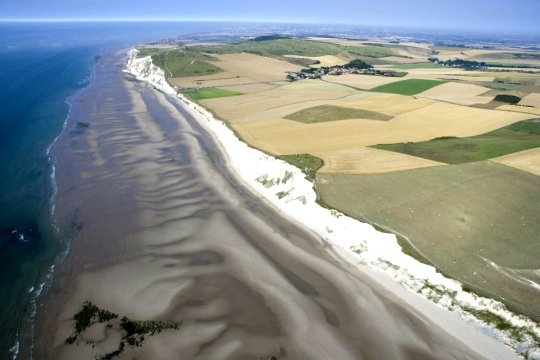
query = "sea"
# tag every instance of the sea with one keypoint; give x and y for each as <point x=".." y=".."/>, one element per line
<point x="42" y="65"/>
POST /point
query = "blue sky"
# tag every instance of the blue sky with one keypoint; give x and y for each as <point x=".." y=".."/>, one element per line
<point x="502" y="15"/>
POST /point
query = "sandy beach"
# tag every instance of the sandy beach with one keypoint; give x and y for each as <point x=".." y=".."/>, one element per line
<point x="169" y="224"/>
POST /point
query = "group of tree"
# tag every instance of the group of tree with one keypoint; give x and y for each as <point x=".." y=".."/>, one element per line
<point x="459" y="63"/>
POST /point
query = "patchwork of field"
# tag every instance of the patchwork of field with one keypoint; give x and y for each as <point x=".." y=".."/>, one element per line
<point x="403" y="53"/>
<point x="514" y="138"/>
<point x="415" y="120"/>
<point x="458" y="93"/>
<point x="240" y="69"/>
<point x="363" y="160"/>
<point x="364" y="82"/>
<point x="477" y="222"/>
<point x="262" y="113"/>
<point x="278" y="102"/>
<point x="431" y="71"/>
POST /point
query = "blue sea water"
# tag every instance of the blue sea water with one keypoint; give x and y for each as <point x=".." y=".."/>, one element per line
<point x="34" y="85"/>
<point x="41" y="66"/>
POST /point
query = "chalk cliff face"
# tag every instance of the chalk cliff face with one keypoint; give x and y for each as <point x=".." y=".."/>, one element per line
<point x="145" y="70"/>
<point x="286" y="188"/>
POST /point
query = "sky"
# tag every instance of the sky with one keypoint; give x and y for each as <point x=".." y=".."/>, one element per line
<point x="489" y="15"/>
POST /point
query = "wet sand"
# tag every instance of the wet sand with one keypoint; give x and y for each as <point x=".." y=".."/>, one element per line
<point x="162" y="231"/>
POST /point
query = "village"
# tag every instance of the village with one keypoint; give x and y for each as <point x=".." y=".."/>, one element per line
<point x="353" y="67"/>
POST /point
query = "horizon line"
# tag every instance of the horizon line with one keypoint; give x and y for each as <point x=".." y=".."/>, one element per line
<point x="164" y="20"/>
<point x="264" y="21"/>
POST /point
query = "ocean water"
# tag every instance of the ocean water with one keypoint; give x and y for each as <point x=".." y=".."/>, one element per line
<point x="34" y="86"/>
<point x="41" y="66"/>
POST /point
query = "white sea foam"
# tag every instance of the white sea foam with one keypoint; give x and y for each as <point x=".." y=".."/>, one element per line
<point x="14" y="350"/>
<point x="286" y="188"/>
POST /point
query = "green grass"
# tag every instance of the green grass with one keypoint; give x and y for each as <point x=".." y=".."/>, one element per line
<point x="210" y="93"/>
<point x="181" y="62"/>
<point x="408" y="87"/>
<point x="513" y="65"/>
<point x="309" y="164"/>
<point x="499" y="85"/>
<point x="453" y="216"/>
<point x="278" y="47"/>
<point x="516" y="137"/>
<point x="325" y="113"/>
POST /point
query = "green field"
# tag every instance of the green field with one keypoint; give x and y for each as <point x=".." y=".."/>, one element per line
<point x="210" y="93"/>
<point x="451" y="150"/>
<point x="278" y="47"/>
<point x="500" y="85"/>
<point x="455" y="217"/>
<point x="325" y="113"/>
<point x="181" y="62"/>
<point x="408" y="87"/>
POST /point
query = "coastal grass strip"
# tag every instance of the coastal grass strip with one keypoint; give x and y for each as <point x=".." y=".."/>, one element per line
<point x="325" y="113"/>
<point x="519" y="136"/>
<point x="307" y="163"/>
<point x="181" y="62"/>
<point x="210" y="93"/>
<point x="408" y="87"/>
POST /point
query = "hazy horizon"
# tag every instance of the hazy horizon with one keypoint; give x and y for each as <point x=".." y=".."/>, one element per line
<point x="472" y="15"/>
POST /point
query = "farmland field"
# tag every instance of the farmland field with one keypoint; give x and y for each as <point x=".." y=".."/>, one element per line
<point x="408" y="87"/>
<point x="415" y="120"/>
<point x="451" y="150"/>
<point x="364" y="82"/>
<point x="365" y="160"/>
<point x="477" y="222"/>
<point x="210" y="93"/>
<point x="527" y="160"/>
<point x="458" y="93"/>
<point x="323" y="113"/>
<point x="181" y="62"/>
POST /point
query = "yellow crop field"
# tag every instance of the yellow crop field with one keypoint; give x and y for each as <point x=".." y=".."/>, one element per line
<point x="532" y="111"/>
<point x="528" y="160"/>
<point x="325" y="60"/>
<point x="255" y="67"/>
<point x="391" y="104"/>
<point x="364" y="82"/>
<point x="531" y="100"/>
<point x="362" y="160"/>
<point x="458" y="93"/>
<point x="214" y="80"/>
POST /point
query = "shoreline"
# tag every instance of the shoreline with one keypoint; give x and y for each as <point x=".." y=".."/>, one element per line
<point x="363" y="245"/>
